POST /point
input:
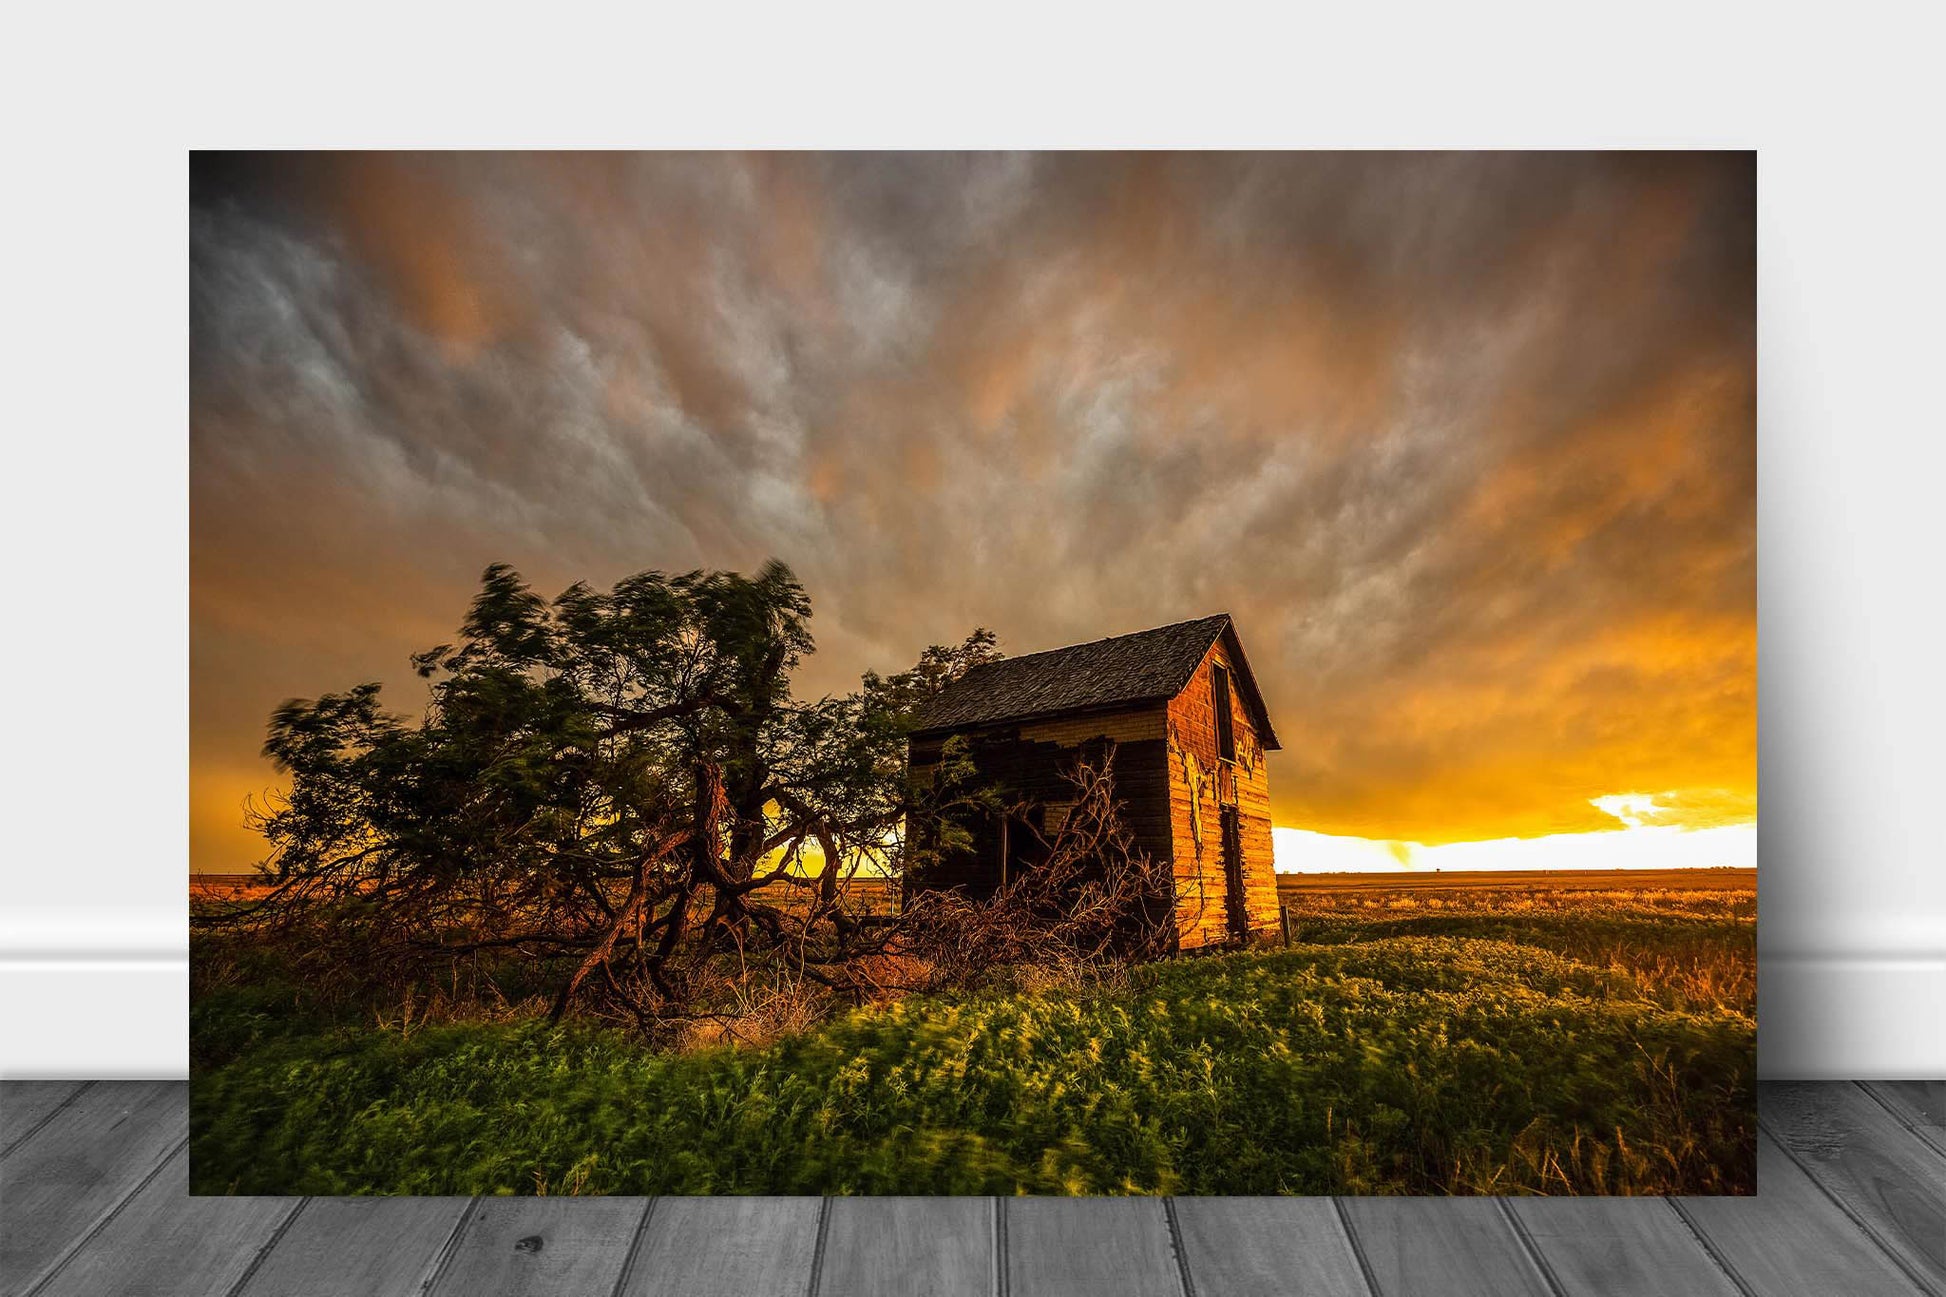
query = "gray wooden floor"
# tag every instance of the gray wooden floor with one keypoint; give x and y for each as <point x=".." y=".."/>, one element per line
<point x="93" y="1201"/>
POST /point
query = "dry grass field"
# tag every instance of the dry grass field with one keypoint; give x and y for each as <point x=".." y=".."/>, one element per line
<point x="1686" y="938"/>
<point x="1420" y="882"/>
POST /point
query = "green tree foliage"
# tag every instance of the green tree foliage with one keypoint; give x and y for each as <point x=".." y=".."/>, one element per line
<point x="607" y="785"/>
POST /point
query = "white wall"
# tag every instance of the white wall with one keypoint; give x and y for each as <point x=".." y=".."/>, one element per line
<point x="1852" y="878"/>
<point x="93" y="519"/>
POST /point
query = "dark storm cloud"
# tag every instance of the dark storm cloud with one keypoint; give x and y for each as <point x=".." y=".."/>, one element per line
<point x="1466" y="442"/>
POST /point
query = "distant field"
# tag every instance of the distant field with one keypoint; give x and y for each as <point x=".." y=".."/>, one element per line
<point x="1687" y="937"/>
<point x="225" y="885"/>
<point x="215" y="893"/>
<point x="878" y="894"/>
<point x="1539" y="880"/>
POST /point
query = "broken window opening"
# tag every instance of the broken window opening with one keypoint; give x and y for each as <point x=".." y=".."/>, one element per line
<point x="1226" y="739"/>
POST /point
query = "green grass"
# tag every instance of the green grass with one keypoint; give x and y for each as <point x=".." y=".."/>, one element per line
<point x="1367" y="1062"/>
<point x="1681" y="948"/>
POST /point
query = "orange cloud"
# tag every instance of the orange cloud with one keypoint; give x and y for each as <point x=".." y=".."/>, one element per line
<point x="1466" y="442"/>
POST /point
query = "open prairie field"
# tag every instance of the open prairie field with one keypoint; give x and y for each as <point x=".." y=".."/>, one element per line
<point x="217" y="889"/>
<point x="1419" y="882"/>
<point x="1684" y="937"/>
<point x="1479" y="1040"/>
<point x="867" y="895"/>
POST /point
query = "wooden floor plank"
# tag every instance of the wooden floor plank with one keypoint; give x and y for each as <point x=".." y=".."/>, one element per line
<point x="542" y="1247"/>
<point x="1458" y="1247"/>
<point x="1620" y="1247"/>
<point x="908" y="1247"/>
<point x="1921" y="1105"/>
<point x="1791" y="1239"/>
<point x="1871" y="1163"/>
<point x="356" y="1247"/>
<point x="1089" y="1247"/>
<point x="165" y="1243"/>
<point x="1268" y="1247"/>
<point x="24" y="1105"/>
<point x="726" y="1247"/>
<point x="79" y="1167"/>
<point x="106" y="1171"/>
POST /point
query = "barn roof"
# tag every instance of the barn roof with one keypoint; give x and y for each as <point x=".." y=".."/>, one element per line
<point x="1122" y="671"/>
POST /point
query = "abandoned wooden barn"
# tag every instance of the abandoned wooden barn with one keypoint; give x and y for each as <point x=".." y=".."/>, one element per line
<point x="1189" y="731"/>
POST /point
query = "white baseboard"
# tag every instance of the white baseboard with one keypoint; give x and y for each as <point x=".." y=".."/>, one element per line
<point x="94" y="993"/>
<point x="1819" y="1016"/>
<point x="1865" y="1017"/>
<point x="94" y="1018"/>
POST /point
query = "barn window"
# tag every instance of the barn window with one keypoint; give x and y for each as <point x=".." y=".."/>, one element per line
<point x="1226" y="739"/>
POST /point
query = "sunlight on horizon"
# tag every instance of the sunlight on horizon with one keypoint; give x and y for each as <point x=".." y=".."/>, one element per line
<point x="1640" y="843"/>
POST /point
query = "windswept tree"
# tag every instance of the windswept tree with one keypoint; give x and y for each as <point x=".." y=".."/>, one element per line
<point x="608" y="784"/>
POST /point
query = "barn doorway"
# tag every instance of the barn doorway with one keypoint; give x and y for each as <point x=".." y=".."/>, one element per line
<point x="1236" y="910"/>
<point x="1023" y="842"/>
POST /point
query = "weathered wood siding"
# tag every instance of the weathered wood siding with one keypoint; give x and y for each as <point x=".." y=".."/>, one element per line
<point x="1031" y="762"/>
<point x="1199" y="786"/>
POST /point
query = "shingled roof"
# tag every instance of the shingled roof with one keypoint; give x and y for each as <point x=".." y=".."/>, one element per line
<point x="1125" y="670"/>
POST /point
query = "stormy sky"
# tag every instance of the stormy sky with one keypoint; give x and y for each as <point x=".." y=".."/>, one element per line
<point x="1465" y="442"/>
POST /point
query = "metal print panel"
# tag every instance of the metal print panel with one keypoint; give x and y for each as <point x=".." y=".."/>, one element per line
<point x="976" y="674"/>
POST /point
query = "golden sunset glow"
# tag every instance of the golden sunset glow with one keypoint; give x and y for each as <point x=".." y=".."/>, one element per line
<point x="1464" y="442"/>
<point x="1646" y="839"/>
